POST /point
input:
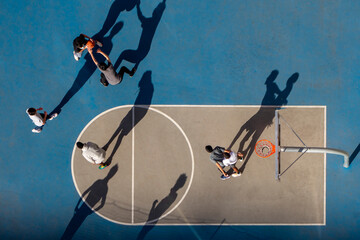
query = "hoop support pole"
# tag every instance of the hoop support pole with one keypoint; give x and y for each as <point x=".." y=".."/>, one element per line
<point x="319" y="150"/>
<point x="277" y="144"/>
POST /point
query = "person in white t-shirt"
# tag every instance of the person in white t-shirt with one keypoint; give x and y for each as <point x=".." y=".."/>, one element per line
<point x="93" y="153"/>
<point x="230" y="159"/>
<point x="223" y="158"/>
<point x="39" y="119"/>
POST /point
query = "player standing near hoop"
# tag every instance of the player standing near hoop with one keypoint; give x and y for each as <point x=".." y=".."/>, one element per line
<point x="223" y="158"/>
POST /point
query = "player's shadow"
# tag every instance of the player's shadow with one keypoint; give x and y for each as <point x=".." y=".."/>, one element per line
<point x="159" y="208"/>
<point x="116" y="8"/>
<point x="89" y="68"/>
<point x="254" y="127"/>
<point x="149" y="26"/>
<point x="146" y="91"/>
<point x="95" y="193"/>
<point x="354" y="154"/>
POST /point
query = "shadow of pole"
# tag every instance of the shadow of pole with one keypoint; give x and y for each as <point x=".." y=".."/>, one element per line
<point x="88" y="69"/>
<point x="146" y="91"/>
<point x="149" y="26"/>
<point x="354" y="154"/>
<point x="255" y="126"/>
<point x="95" y="193"/>
<point x="158" y="209"/>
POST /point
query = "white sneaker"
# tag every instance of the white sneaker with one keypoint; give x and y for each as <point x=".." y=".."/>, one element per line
<point x="76" y="56"/>
<point x="36" y="130"/>
<point x="53" y="116"/>
<point x="236" y="174"/>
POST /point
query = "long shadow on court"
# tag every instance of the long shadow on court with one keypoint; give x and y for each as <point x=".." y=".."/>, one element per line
<point x="89" y="68"/>
<point x="95" y="193"/>
<point x="255" y="126"/>
<point x="158" y="209"/>
<point x="146" y="91"/>
<point x="149" y="26"/>
<point x="116" y="8"/>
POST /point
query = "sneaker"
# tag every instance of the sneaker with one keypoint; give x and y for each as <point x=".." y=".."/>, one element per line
<point x="99" y="43"/>
<point x="76" y="56"/>
<point x="236" y="174"/>
<point x="36" y="130"/>
<point x="224" y="178"/>
<point x="103" y="166"/>
<point x="53" y="116"/>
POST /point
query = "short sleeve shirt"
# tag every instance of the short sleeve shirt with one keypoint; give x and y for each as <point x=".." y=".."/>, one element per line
<point x="93" y="153"/>
<point x="217" y="154"/>
<point x="230" y="161"/>
<point x="111" y="76"/>
<point x="37" y="119"/>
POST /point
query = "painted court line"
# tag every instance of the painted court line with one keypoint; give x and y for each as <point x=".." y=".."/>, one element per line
<point x="153" y="108"/>
<point x="133" y="166"/>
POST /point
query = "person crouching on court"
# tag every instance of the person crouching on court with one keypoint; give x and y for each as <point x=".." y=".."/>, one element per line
<point x="223" y="158"/>
<point x="108" y="74"/>
<point x="39" y="119"/>
<point x="93" y="153"/>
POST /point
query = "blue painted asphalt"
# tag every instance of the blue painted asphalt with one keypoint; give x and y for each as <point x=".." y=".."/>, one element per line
<point x="202" y="52"/>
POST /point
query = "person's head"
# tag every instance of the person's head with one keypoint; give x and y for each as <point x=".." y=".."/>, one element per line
<point x="79" y="42"/>
<point x="209" y="148"/>
<point x="226" y="155"/>
<point x="80" y="145"/>
<point x="31" y="111"/>
<point x="103" y="66"/>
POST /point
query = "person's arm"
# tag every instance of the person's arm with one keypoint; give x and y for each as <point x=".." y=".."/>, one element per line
<point x="221" y="169"/>
<point x="45" y="117"/>
<point x="92" y="56"/>
<point x="104" y="54"/>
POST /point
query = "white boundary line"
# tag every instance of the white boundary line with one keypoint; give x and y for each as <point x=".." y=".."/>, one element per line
<point x="325" y="162"/>
<point x="133" y="163"/>
<point x="133" y="167"/>
<point x="192" y="173"/>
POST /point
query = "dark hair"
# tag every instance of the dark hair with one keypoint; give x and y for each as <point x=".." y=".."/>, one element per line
<point x="103" y="66"/>
<point x="31" y="111"/>
<point x="79" y="42"/>
<point x="226" y="155"/>
<point x="103" y="80"/>
<point x="209" y="148"/>
<point x="80" y="145"/>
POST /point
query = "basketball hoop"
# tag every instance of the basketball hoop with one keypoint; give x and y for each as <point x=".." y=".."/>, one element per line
<point x="264" y="148"/>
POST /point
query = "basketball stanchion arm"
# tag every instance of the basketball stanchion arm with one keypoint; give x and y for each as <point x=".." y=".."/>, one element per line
<point x="319" y="150"/>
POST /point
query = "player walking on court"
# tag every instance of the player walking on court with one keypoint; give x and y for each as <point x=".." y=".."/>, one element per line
<point x="39" y="119"/>
<point x="223" y="158"/>
<point x="108" y="74"/>
<point x="93" y="153"/>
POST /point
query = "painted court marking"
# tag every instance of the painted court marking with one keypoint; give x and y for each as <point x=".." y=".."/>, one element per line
<point x="133" y="163"/>
<point x="152" y="108"/>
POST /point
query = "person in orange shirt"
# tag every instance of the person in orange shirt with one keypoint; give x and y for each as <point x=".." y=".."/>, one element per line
<point x="83" y="42"/>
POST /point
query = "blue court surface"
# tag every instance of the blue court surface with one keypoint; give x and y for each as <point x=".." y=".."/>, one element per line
<point x="189" y="52"/>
